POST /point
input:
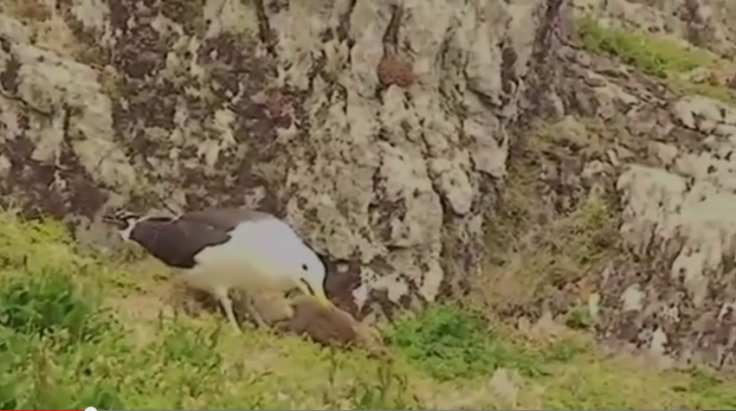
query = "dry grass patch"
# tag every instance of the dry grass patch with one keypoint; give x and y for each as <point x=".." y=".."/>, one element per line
<point x="545" y="253"/>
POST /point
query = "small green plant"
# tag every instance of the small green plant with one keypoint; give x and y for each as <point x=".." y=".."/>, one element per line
<point x="48" y="303"/>
<point x="37" y="376"/>
<point x="377" y="387"/>
<point x="578" y="318"/>
<point x="450" y="343"/>
<point x="656" y="57"/>
<point x="20" y="242"/>
<point x="659" y="57"/>
<point x="196" y="347"/>
<point x="385" y="390"/>
<point x="50" y="331"/>
<point x="565" y="350"/>
<point x="711" y="389"/>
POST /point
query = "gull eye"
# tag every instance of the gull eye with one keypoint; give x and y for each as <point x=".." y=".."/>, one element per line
<point x="305" y="267"/>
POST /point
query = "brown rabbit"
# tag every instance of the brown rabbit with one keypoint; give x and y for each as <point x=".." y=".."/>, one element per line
<point x="329" y="326"/>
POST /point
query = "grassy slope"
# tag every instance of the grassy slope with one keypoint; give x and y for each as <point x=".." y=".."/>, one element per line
<point x="663" y="58"/>
<point x="79" y="331"/>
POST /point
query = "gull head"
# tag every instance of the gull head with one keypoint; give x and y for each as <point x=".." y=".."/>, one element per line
<point x="124" y="221"/>
<point x="281" y="252"/>
<point x="311" y="274"/>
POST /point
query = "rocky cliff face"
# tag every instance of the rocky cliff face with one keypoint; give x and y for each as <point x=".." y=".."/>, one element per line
<point x="667" y="161"/>
<point x="379" y="129"/>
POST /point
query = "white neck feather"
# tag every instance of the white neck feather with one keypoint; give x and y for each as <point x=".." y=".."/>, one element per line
<point x="125" y="233"/>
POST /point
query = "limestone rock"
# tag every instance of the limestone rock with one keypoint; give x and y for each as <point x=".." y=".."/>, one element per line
<point x="669" y="290"/>
<point x="279" y="104"/>
<point x="684" y="306"/>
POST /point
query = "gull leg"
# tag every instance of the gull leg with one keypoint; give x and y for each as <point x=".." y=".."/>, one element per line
<point x="253" y="313"/>
<point x="227" y="306"/>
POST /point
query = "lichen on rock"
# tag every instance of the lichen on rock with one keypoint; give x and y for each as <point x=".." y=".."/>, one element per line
<point x="283" y="106"/>
<point x="677" y="224"/>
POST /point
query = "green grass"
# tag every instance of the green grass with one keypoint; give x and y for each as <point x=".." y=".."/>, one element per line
<point x="77" y="331"/>
<point x="655" y="56"/>
<point x="449" y="343"/>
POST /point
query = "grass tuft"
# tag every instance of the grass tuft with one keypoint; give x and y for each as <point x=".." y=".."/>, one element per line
<point x="659" y="57"/>
<point x="656" y="57"/>
<point x="48" y="303"/>
<point x="449" y="343"/>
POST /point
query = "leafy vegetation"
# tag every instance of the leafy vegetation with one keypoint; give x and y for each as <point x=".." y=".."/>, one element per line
<point x="450" y="343"/>
<point x="653" y="56"/>
<point x="657" y="56"/>
<point x="73" y="334"/>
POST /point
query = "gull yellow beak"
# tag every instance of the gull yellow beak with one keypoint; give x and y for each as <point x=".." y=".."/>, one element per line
<point x="318" y="292"/>
<point x="322" y="298"/>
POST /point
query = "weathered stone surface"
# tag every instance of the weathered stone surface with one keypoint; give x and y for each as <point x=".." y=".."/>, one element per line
<point x="666" y="163"/>
<point x="379" y="128"/>
<point x="678" y="223"/>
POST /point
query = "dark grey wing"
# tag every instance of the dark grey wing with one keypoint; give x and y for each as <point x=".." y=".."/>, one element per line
<point x="225" y="219"/>
<point x="177" y="242"/>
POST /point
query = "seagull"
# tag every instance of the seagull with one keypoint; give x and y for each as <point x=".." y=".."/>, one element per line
<point x="219" y="249"/>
